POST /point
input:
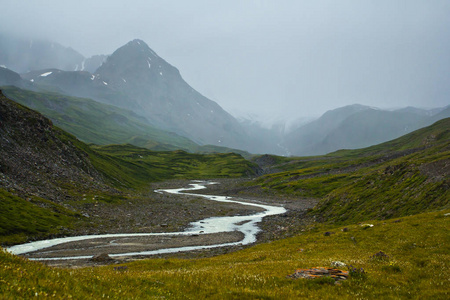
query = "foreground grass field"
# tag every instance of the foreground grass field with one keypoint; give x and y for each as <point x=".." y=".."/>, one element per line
<point x="416" y="266"/>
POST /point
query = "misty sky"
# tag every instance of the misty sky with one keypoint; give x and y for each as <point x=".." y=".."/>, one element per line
<point x="297" y="58"/>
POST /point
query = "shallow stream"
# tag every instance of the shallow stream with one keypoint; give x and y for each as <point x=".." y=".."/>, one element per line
<point x="245" y="224"/>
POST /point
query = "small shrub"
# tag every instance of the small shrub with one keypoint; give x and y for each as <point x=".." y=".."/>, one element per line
<point x="356" y="273"/>
<point x="380" y="255"/>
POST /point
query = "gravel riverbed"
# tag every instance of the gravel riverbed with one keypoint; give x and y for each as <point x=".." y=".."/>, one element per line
<point x="155" y="212"/>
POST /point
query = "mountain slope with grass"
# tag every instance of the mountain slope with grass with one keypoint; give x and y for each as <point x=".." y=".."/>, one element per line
<point x="46" y="174"/>
<point x="97" y="123"/>
<point x="405" y="176"/>
<point x="40" y="166"/>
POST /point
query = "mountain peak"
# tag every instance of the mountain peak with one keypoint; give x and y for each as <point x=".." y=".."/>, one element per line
<point x="137" y="45"/>
<point x="138" y="42"/>
<point x="135" y="64"/>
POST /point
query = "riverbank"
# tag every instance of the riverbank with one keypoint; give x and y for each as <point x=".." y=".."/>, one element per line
<point x="179" y="209"/>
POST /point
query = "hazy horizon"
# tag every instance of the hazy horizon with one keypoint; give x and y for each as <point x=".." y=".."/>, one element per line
<point x="272" y="59"/>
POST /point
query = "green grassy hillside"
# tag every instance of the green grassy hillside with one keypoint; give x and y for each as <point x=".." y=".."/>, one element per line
<point x="37" y="217"/>
<point x="139" y="165"/>
<point x="98" y="123"/>
<point x="415" y="267"/>
<point x="405" y="176"/>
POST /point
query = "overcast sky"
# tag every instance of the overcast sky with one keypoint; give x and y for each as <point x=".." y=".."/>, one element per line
<point x="268" y="58"/>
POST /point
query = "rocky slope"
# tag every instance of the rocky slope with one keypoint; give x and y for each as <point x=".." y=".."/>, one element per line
<point x="37" y="158"/>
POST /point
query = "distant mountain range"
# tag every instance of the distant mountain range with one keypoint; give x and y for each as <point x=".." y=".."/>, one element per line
<point x="135" y="78"/>
<point x="358" y="126"/>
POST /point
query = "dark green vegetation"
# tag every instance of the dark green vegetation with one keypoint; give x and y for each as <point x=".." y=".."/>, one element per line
<point x="20" y="218"/>
<point x="405" y="176"/>
<point x="415" y="266"/>
<point x="179" y="164"/>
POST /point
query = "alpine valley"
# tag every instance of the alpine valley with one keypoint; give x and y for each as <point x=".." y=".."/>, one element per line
<point x="104" y="145"/>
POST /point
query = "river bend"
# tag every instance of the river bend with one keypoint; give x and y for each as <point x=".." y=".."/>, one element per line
<point x="247" y="225"/>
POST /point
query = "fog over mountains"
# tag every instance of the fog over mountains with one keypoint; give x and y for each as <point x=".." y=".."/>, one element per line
<point x="358" y="126"/>
<point x="23" y="56"/>
<point x="136" y="78"/>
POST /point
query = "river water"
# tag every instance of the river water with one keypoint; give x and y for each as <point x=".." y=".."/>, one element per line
<point x="245" y="224"/>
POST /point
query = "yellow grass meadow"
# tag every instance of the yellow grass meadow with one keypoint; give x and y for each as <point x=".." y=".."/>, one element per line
<point x="415" y="266"/>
